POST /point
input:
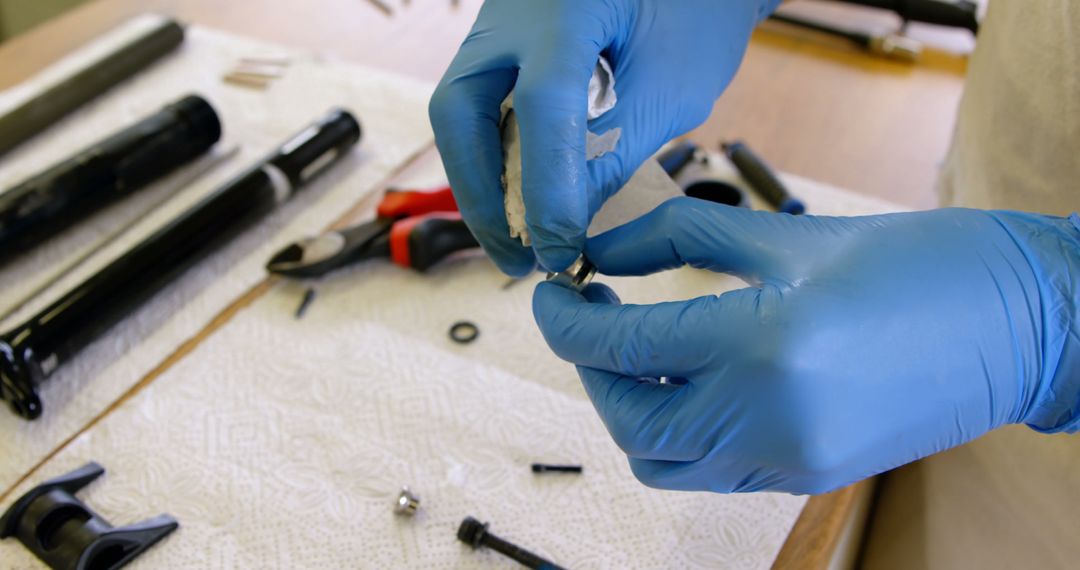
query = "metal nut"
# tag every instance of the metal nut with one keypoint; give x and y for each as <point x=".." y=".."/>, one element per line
<point x="577" y="276"/>
<point x="407" y="503"/>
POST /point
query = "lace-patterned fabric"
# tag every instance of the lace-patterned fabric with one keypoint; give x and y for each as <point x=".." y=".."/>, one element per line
<point x="391" y="109"/>
<point x="281" y="443"/>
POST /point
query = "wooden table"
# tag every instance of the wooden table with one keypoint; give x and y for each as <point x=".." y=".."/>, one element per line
<point x="812" y="105"/>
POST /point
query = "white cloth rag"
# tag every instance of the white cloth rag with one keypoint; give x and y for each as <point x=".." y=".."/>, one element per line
<point x="602" y="99"/>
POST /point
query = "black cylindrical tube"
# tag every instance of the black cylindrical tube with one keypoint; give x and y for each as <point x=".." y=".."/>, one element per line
<point x="33" y="350"/>
<point x="104" y="172"/>
<point x="50" y="106"/>
<point x="953" y="13"/>
<point x="761" y="178"/>
<point x="860" y="39"/>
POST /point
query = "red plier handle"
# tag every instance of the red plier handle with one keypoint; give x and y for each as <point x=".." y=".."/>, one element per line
<point x="397" y="204"/>
<point x="427" y="226"/>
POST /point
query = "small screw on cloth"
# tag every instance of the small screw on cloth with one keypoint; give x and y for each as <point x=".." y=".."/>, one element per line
<point x="475" y="534"/>
<point x="407" y="503"/>
<point x="309" y="295"/>
<point x="543" y="468"/>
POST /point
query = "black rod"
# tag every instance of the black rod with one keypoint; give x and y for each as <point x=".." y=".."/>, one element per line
<point x="32" y="351"/>
<point x="35" y="115"/>
<point x="104" y="172"/>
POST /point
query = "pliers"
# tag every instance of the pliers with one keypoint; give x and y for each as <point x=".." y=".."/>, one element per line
<point x="413" y="228"/>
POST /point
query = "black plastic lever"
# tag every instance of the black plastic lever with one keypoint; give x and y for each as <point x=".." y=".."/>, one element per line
<point x="67" y="535"/>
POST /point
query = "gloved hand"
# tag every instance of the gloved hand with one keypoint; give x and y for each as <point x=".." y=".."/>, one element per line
<point x="861" y="344"/>
<point x="671" y="60"/>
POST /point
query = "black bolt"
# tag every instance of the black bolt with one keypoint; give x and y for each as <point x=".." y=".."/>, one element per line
<point x="475" y="534"/>
<point x="309" y="295"/>
<point x="542" y="468"/>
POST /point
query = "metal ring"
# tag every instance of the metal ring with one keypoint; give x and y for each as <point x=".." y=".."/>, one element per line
<point x="464" y="332"/>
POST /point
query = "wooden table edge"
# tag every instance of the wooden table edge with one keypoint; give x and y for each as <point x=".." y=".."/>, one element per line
<point x="829" y="529"/>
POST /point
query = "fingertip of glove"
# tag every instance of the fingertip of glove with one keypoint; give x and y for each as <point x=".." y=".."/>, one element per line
<point x="556" y="258"/>
<point x="600" y="293"/>
<point x="516" y="267"/>
<point x="510" y="258"/>
<point x="547" y="292"/>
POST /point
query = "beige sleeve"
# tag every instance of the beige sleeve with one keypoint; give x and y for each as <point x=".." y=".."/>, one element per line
<point x="1011" y="498"/>
<point x="1017" y="140"/>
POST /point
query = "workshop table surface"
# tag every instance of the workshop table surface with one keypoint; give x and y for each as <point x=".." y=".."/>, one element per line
<point x="813" y="106"/>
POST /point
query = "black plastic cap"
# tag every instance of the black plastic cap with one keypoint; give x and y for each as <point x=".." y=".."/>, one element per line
<point x="304" y="156"/>
<point x="204" y="120"/>
<point x="472" y="532"/>
<point x="18" y="384"/>
<point x="347" y="122"/>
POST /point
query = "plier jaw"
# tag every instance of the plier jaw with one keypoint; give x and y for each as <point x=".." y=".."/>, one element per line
<point x="318" y="255"/>
<point x="413" y="228"/>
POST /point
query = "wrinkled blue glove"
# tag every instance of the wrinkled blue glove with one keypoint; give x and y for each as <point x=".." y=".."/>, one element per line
<point x="861" y="344"/>
<point x="671" y="61"/>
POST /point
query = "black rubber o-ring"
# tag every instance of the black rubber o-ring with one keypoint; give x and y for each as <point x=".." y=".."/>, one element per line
<point x="464" y="332"/>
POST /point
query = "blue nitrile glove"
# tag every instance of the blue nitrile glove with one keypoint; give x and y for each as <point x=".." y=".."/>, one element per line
<point x="671" y="61"/>
<point x="861" y="345"/>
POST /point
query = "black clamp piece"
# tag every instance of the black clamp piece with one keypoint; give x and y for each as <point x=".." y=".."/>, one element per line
<point x="66" y="534"/>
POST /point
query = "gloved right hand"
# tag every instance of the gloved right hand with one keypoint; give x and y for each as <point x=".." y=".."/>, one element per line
<point x="671" y="61"/>
<point x="860" y="345"/>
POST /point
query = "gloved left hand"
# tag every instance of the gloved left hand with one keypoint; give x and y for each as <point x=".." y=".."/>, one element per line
<point x="861" y="344"/>
<point x="671" y="61"/>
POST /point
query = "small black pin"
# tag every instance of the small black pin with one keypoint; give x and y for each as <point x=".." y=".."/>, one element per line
<point x="309" y="295"/>
<point x="544" y="468"/>
<point x="475" y="534"/>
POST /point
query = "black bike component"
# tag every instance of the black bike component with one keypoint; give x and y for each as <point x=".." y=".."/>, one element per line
<point x="761" y="178"/>
<point x="952" y="13"/>
<point x="104" y="172"/>
<point x="67" y="535"/>
<point x="675" y="159"/>
<point x="45" y="109"/>
<point x="32" y="351"/>
<point x="464" y="332"/>
<point x="716" y="191"/>
<point x="475" y="534"/>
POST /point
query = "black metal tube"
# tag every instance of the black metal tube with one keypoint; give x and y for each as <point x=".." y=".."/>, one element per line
<point x="860" y="39"/>
<point x="952" y="13"/>
<point x="50" y="106"/>
<point x="33" y="350"/>
<point x="104" y="172"/>
<point x="761" y="178"/>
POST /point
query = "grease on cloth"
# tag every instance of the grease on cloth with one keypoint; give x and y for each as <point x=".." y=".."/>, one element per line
<point x="602" y="99"/>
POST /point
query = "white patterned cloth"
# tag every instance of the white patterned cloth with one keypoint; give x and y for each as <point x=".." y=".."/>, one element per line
<point x="392" y="111"/>
<point x="281" y="443"/>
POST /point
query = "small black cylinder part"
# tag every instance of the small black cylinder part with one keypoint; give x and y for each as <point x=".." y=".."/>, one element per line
<point x="105" y="172"/>
<point x="33" y="350"/>
<point x="45" y="109"/>
<point x="716" y="191"/>
<point x="761" y="178"/>
<point x="545" y="468"/>
<point x="435" y="238"/>
<point x="675" y="159"/>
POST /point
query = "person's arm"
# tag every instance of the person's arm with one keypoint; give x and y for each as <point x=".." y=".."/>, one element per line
<point x="671" y="61"/>
<point x="860" y="345"/>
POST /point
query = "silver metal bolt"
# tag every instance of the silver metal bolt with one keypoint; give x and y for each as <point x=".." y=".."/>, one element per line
<point x="407" y="503"/>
